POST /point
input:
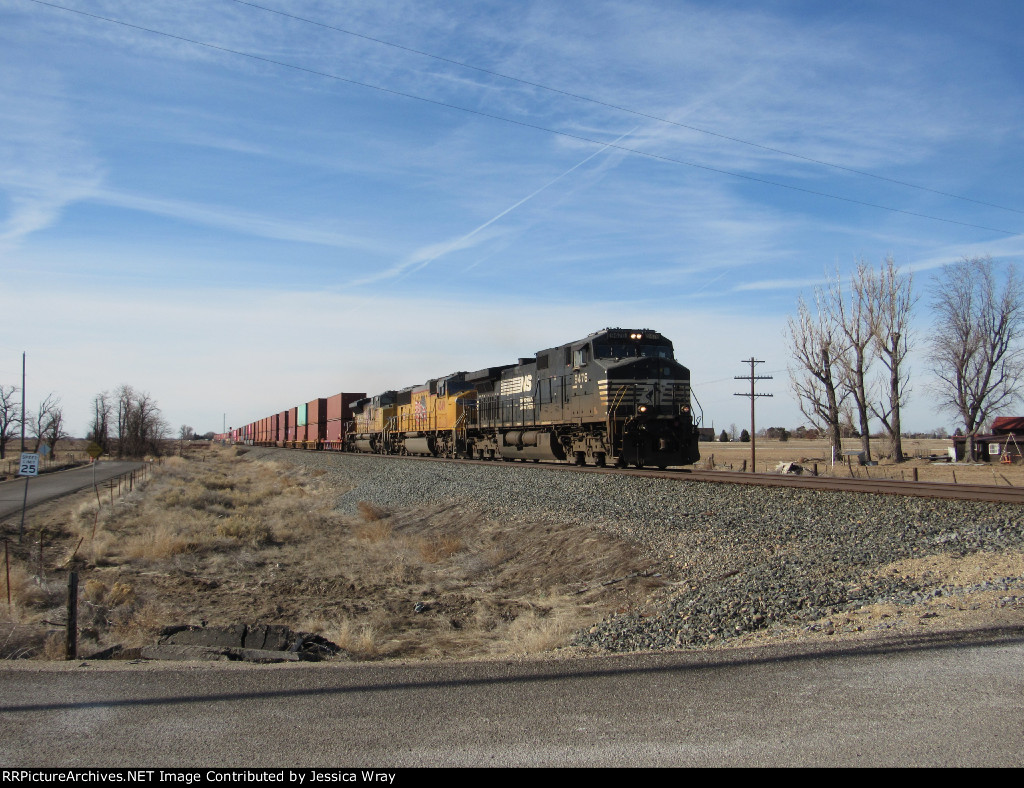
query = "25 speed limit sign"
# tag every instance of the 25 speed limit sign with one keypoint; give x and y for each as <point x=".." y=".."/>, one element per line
<point x="29" y="465"/>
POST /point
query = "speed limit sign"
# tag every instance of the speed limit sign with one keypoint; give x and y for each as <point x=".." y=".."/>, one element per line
<point x="29" y="465"/>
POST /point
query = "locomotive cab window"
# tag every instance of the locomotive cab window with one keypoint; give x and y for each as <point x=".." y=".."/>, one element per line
<point x="579" y="357"/>
<point x="624" y="350"/>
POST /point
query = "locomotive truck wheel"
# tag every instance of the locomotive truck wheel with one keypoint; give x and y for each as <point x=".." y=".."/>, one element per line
<point x="599" y="459"/>
<point x="581" y="458"/>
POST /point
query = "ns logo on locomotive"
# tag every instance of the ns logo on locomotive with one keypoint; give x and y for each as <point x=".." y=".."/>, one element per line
<point x="616" y="397"/>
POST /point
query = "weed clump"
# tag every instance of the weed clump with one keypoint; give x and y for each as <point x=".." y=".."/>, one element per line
<point x="371" y="513"/>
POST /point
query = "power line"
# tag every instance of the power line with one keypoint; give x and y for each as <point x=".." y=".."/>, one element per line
<point x="524" y="124"/>
<point x="620" y="108"/>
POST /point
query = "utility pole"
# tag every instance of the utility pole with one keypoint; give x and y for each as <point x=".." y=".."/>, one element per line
<point x="752" y="377"/>
<point x="23" y="401"/>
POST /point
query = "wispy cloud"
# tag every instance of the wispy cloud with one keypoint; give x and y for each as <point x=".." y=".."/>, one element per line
<point x="237" y="221"/>
<point x="780" y="284"/>
<point x="44" y="165"/>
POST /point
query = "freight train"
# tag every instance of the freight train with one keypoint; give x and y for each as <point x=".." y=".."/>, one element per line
<point x="616" y="397"/>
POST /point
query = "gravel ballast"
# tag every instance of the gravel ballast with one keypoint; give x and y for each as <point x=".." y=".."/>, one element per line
<point x="737" y="559"/>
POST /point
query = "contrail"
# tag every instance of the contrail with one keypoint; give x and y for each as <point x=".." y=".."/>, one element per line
<point x="462" y="241"/>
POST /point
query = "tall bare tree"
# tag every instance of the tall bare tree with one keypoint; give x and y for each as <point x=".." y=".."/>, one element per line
<point x="975" y="350"/>
<point x="10" y="416"/>
<point x="814" y="344"/>
<point x="99" y="431"/>
<point x="892" y="305"/>
<point x="856" y="317"/>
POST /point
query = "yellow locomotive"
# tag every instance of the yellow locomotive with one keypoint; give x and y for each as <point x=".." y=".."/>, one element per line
<point x="433" y="419"/>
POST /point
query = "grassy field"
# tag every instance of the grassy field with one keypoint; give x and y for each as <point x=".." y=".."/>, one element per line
<point x="214" y="538"/>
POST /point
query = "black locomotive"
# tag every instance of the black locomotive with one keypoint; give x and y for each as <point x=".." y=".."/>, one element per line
<point x="617" y="396"/>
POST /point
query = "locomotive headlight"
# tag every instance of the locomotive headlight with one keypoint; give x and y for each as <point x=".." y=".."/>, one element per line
<point x="643" y="408"/>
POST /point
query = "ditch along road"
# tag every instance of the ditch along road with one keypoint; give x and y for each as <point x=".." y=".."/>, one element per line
<point x="53" y="485"/>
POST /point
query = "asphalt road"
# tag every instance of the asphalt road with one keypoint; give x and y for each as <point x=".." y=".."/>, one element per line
<point x="53" y="485"/>
<point x="932" y="703"/>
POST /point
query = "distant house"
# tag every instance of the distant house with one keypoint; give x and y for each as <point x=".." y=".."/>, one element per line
<point x="1005" y="440"/>
<point x="706" y="433"/>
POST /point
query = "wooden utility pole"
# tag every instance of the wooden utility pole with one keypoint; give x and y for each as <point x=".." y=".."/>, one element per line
<point x="752" y="377"/>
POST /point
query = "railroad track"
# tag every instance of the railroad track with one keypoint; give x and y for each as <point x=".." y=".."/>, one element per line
<point x="964" y="492"/>
<point x="948" y="490"/>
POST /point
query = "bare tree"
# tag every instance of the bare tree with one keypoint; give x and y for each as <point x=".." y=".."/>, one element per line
<point x="856" y="317"/>
<point x="10" y="416"/>
<point x="99" y="432"/>
<point x="975" y="348"/>
<point x="48" y="423"/>
<point x="814" y="345"/>
<point x="125" y="398"/>
<point x="140" y="428"/>
<point x="893" y="304"/>
<point x="185" y="434"/>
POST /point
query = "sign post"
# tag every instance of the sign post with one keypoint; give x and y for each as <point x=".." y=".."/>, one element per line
<point x="94" y="450"/>
<point x="28" y="467"/>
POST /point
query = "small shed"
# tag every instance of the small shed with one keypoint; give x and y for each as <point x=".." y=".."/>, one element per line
<point x="1004" y="443"/>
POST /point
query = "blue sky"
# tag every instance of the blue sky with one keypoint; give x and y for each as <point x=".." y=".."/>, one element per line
<point x="235" y="236"/>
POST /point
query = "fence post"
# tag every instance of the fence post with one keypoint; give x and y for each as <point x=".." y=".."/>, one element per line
<point x="71" y="644"/>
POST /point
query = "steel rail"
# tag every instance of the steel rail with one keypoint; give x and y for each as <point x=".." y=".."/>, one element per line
<point x="946" y="490"/>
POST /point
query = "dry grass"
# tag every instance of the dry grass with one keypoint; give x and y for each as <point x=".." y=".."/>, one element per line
<point x="369" y="512"/>
<point x="232" y="540"/>
<point x="358" y="639"/>
<point x="188" y="511"/>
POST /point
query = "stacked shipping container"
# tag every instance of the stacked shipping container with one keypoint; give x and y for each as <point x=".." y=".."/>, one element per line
<point x="317" y="424"/>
